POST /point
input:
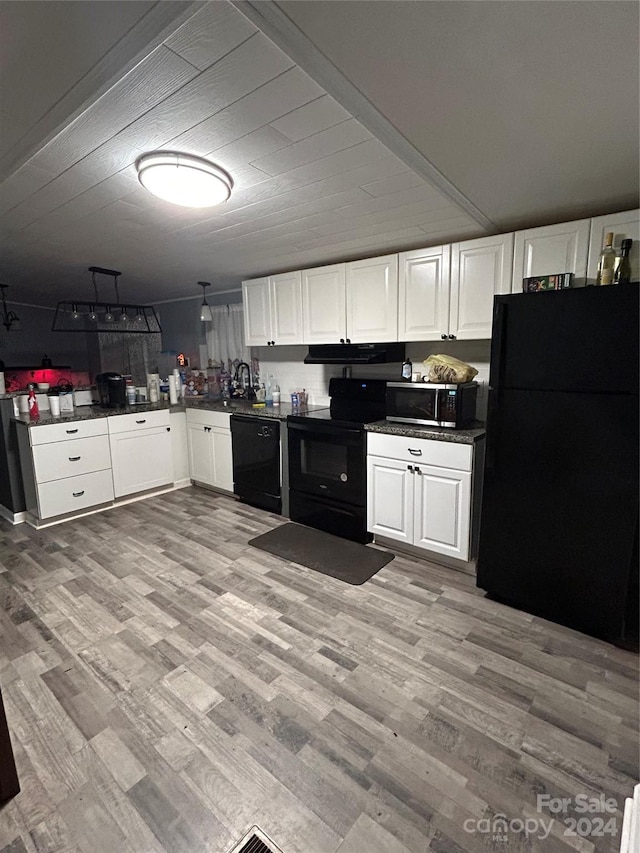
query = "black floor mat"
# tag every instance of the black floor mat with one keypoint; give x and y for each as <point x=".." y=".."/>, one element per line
<point x="339" y="558"/>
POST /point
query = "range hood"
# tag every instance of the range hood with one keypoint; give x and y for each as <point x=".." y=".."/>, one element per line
<point x="355" y="353"/>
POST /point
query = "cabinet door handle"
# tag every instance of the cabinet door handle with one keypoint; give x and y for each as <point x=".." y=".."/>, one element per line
<point x="410" y="468"/>
<point x="444" y="337"/>
<point x="452" y="337"/>
<point x="417" y="470"/>
<point x="71" y="431"/>
<point x="414" y="452"/>
<point x="143" y="421"/>
<point x="341" y="340"/>
<point x="74" y="459"/>
<point x="348" y="340"/>
<point x="78" y="494"/>
<point x="168" y="429"/>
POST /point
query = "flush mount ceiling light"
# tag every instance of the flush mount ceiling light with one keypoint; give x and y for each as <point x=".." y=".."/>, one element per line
<point x="183" y="179"/>
<point x="206" y="315"/>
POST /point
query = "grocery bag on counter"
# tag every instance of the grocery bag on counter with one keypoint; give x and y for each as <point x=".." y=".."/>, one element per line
<point x="446" y="368"/>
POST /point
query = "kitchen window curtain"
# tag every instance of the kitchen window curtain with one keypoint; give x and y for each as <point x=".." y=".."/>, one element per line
<point x="225" y="334"/>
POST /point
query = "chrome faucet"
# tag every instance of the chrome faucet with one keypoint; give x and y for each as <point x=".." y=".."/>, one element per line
<point x="242" y="378"/>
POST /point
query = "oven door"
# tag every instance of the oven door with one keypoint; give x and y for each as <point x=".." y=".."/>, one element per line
<point x="413" y="402"/>
<point x="327" y="461"/>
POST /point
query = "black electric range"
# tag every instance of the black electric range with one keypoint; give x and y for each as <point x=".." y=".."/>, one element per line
<point x="328" y="459"/>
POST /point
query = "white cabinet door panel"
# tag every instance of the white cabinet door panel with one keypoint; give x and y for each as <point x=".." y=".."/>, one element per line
<point x="442" y="511"/>
<point x="551" y="249"/>
<point x="222" y="459"/>
<point x="324" y="304"/>
<point x="624" y="226"/>
<point x="285" y="292"/>
<point x="59" y="497"/>
<point x="479" y="270"/>
<point x="141" y="460"/>
<point x="257" y="314"/>
<point x="71" y="458"/>
<point x="390" y="499"/>
<point x="200" y="453"/>
<point x="423" y="276"/>
<point x="372" y="300"/>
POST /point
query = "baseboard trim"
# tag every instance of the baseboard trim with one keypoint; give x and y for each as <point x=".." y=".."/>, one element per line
<point x="39" y="523"/>
<point x="13" y="517"/>
<point x="468" y="568"/>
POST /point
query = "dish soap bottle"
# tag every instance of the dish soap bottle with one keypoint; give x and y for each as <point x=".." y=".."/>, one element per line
<point x="407" y="368"/>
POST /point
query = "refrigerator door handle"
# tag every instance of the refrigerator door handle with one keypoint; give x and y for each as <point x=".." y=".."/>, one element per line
<point x="497" y="343"/>
<point x="492" y="429"/>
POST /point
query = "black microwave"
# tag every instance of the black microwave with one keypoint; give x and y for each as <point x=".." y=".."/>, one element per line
<point x="432" y="403"/>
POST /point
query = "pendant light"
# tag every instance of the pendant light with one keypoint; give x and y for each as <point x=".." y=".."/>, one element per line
<point x="183" y="178"/>
<point x="96" y="316"/>
<point x="8" y="317"/>
<point x="206" y="314"/>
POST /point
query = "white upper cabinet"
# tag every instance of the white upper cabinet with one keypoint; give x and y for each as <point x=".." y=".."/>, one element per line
<point x="285" y="294"/>
<point x="423" y="287"/>
<point x="273" y="310"/>
<point x="372" y="300"/>
<point x="257" y="316"/>
<point x="551" y="249"/>
<point x="324" y="304"/>
<point x="624" y="226"/>
<point x="479" y="270"/>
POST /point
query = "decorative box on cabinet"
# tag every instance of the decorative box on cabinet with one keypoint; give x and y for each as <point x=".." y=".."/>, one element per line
<point x="141" y="452"/>
<point x="209" y="444"/>
<point x="424" y="493"/>
<point x="273" y="310"/>
<point x="624" y="226"/>
<point x="551" y="249"/>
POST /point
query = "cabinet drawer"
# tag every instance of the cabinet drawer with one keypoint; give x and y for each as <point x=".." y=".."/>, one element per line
<point x="71" y="458"/>
<point x="67" y="431"/>
<point x="138" y="421"/>
<point x="62" y="496"/>
<point x="443" y="454"/>
<point x="211" y="419"/>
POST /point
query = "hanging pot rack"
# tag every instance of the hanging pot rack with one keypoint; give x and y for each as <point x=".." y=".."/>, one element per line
<point x="115" y="317"/>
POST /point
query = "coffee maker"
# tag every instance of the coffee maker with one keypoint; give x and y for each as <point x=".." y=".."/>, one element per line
<point x="112" y="390"/>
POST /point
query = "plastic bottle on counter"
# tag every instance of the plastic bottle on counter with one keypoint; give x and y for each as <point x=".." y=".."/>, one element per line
<point x="34" y="411"/>
<point x="268" y="391"/>
<point x="276" y="395"/>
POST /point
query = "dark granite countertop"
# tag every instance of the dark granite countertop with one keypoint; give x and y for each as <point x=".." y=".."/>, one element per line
<point x="238" y="407"/>
<point x="87" y="413"/>
<point x="245" y="407"/>
<point x="456" y="436"/>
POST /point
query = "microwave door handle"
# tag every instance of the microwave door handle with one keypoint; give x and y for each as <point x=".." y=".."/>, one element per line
<point x="437" y="407"/>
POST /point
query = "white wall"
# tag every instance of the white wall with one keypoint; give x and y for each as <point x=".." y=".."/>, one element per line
<point x="286" y="364"/>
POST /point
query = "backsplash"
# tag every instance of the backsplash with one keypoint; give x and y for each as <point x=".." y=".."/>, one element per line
<point x="291" y="374"/>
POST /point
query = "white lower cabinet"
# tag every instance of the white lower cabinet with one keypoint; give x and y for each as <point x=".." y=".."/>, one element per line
<point x="210" y="455"/>
<point x="65" y="466"/>
<point x="419" y="492"/>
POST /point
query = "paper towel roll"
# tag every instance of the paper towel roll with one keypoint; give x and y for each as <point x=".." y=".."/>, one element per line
<point x="3" y="390"/>
<point x="173" y="390"/>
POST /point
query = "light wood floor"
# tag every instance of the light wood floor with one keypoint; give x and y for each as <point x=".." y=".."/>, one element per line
<point x="167" y="686"/>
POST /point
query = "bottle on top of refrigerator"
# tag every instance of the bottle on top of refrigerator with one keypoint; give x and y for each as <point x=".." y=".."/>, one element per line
<point x="622" y="274"/>
<point x="607" y="261"/>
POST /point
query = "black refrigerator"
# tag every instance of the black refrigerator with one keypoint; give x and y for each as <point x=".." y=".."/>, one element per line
<point x="559" y="524"/>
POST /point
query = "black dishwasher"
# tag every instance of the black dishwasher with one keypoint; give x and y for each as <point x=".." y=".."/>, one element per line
<point x="256" y="461"/>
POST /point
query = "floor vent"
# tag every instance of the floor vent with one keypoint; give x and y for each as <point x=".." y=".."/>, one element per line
<point x="255" y="841"/>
